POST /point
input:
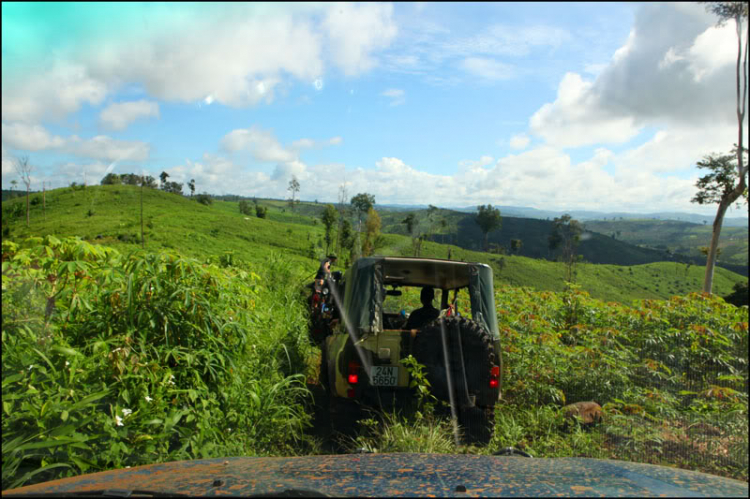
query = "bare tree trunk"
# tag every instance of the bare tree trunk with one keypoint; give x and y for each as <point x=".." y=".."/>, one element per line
<point x="143" y="241"/>
<point x="27" y="206"/>
<point x="708" y="281"/>
<point x="44" y="200"/>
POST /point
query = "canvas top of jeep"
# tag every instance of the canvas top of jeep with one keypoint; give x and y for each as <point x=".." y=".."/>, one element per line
<point x="365" y="285"/>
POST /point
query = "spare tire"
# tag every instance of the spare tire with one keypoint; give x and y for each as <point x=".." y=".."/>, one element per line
<point x="478" y="353"/>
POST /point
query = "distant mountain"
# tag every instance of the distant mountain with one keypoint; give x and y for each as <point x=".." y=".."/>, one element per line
<point x="582" y="215"/>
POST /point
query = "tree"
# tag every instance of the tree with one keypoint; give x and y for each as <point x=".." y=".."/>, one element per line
<point x="342" y="214"/>
<point x="294" y="188"/>
<point x="203" y="199"/>
<point x="329" y="219"/>
<point x="245" y="207"/>
<point x="164" y="176"/>
<point x="720" y="186"/>
<point x="362" y="204"/>
<point x="24" y="169"/>
<point x="372" y="232"/>
<point x="261" y="211"/>
<point x="738" y="11"/>
<point x="111" y="179"/>
<point x="410" y="221"/>
<point x="13" y="184"/>
<point x="173" y="187"/>
<point x="565" y="236"/>
<point x="148" y="181"/>
<point x="347" y="237"/>
<point x="488" y="219"/>
<point x="191" y="184"/>
<point x="516" y="245"/>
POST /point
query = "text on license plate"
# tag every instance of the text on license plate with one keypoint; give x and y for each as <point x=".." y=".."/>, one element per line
<point x="383" y="376"/>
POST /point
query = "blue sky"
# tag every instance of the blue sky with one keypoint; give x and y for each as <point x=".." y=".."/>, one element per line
<point x="564" y="106"/>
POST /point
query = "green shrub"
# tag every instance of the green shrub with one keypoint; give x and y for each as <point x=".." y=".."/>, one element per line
<point x="204" y="199"/>
<point x="114" y="360"/>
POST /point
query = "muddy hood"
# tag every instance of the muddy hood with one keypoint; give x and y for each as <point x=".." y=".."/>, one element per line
<point x="438" y="475"/>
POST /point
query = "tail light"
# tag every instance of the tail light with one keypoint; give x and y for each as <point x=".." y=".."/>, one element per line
<point x="495" y="377"/>
<point x="353" y="377"/>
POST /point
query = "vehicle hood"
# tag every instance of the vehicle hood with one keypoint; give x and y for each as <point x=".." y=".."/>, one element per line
<point x="402" y="475"/>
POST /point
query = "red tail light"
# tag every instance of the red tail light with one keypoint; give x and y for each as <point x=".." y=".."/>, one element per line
<point x="494" y="375"/>
<point x="353" y="372"/>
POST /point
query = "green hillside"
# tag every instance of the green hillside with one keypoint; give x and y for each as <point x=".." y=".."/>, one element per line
<point x="678" y="237"/>
<point x="597" y="245"/>
<point x="109" y="215"/>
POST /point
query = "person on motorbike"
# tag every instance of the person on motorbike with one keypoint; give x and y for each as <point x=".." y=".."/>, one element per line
<point x="324" y="271"/>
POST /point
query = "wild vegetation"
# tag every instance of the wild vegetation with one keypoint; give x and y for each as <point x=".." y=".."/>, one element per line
<point x="197" y="346"/>
<point x="113" y="360"/>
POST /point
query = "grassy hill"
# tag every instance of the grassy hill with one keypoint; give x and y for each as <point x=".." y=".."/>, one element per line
<point x="597" y="245"/>
<point x="678" y="237"/>
<point x="110" y="215"/>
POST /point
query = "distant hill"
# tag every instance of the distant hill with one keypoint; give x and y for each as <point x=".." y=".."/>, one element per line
<point x="677" y="237"/>
<point x="462" y="230"/>
<point x="110" y="215"/>
<point x="583" y="215"/>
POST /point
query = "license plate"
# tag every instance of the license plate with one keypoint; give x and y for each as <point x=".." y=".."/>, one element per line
<point x="383" y="376"/>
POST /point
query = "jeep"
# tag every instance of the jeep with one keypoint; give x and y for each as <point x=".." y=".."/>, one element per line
<point x="365" y="338"/>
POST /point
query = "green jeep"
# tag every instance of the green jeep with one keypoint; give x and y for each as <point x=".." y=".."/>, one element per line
<point x="460" y="349"/>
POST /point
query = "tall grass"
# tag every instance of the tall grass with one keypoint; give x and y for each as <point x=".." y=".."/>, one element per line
<point x="114" y="360"/>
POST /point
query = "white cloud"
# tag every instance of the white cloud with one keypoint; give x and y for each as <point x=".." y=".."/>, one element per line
<point x="678" y="148"/>
<point x="506" y="40"/>
<point x="107" y="149"/>
<point x="487" y="69"/>
<point x="37" y="138"/>
<point x="264" y="147"/>
<point x="354" y="31"/>
<point x="519" y="141"/>
<point x="262" y="144"/>
<point x="29" y="137"/>
<point x="119" y="116"/>
<point x="544" y="177"/>
<point x="233" y="54"/>
<point x="396" y="95"/>
<point x="668" y="73"/>
<point x="52" y="92"/>
<point x="576" y="118"/>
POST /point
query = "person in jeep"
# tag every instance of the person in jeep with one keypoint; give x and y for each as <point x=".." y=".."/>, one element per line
<point x="427" y="313"/>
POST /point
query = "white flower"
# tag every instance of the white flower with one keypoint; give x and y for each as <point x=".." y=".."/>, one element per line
<point x="31" y="367"/>
<point x="171" y="380"/>
<point x="118" y="420"/>
<point x="148" y="399"/>
<point x="67" y="363"/>
<point x="127" y="412"/>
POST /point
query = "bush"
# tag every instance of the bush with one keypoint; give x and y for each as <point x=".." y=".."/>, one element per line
<point x="142" y="358"/>
<point x="261" y="211"/>
<point x="204" y="199"/>
<point x="657" y="368"/>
